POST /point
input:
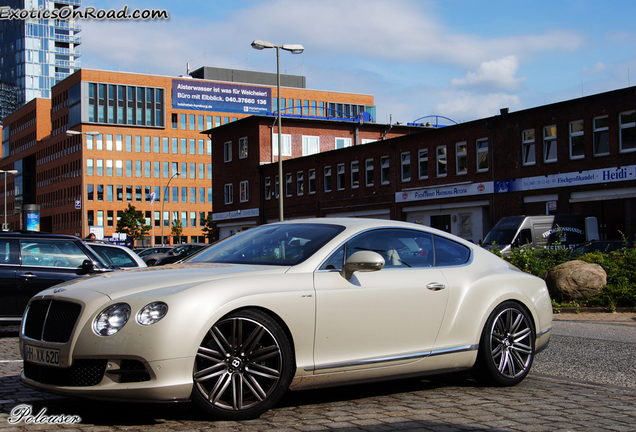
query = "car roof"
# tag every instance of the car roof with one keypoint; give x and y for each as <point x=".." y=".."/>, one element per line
<point x="36" y="235"/>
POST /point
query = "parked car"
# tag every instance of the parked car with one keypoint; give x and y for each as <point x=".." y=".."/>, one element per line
<point x="291" y="305"/>
<point x="31" y="262"/>
<point x="152" y="250"/>
<point x="173" y="255"/>
<point x="118" y="257"/>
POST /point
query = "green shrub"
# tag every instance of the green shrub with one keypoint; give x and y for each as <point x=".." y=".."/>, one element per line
<point x="620" y="266"/>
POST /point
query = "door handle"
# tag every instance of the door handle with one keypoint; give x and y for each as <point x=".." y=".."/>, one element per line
<point x="434" y="286"/>
<point x="28" y="276"/>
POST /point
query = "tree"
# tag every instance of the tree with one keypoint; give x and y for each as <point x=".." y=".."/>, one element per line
<point x="208" y="229"/>
<point x="177" y="230"/>
<point x="133" y="224"/>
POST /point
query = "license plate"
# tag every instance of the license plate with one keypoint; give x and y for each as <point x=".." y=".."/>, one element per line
<point x="45" y="356"/>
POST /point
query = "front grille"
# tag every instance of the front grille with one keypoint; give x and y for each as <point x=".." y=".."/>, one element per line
<point x="83" y="373"/>
<point x="51" y="320"/>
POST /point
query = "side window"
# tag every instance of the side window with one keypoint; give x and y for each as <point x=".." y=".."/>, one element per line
<point x="335" y="261"/>
<point x="401" y="248"/>
<point x="449" y="253"/>
<point x="46" y="253"/>
<point x="9" y="252"/>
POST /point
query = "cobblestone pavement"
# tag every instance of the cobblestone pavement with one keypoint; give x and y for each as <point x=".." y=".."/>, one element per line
<point x="447" y="403"/>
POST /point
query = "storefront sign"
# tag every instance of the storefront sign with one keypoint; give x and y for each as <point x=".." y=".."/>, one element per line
<point x="445" y="192"/>
<point x="221" y="97"/>
<point x="216" y="217"/>
<point x="605" y="175"/>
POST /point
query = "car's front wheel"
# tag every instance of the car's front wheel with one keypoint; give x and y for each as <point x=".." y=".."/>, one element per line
<point x="243" y="366"/>
<point x="506" y="348"/>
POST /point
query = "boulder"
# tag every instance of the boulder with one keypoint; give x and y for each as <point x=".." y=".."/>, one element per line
<point x="575" y="280"/>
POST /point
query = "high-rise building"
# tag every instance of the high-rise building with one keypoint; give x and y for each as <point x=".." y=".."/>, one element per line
<point x="35" y="54"/>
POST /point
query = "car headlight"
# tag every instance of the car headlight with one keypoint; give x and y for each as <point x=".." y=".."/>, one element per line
<point x="112" y="319"/>
<point x="152" y="313"/>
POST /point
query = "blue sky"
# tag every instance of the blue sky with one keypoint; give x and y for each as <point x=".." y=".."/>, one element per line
<point x="460" y="59"/>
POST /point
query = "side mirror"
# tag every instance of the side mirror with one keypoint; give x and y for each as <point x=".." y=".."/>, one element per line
<point x="362" y="261"/>
<point x="87" y="266"/>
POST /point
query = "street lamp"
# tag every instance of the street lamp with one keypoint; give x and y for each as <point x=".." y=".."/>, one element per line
<point x="5" y="227"/>
<point x="75" y="133"/>
<point x="294" y="49"/>
<point x="165" y="191"/>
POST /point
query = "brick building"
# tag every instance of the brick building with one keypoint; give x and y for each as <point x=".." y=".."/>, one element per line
<point x="577" y="156"/>
<point x="133" y="133"/>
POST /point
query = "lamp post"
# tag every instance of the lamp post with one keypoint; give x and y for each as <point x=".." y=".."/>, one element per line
<point x="5" y="227"/>
<point x="74" y="133"/>
<point x="165" y="191"/>
<point x="294" y="49"/>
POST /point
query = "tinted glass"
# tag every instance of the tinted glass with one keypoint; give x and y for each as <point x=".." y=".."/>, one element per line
<point x="287" y="244"/>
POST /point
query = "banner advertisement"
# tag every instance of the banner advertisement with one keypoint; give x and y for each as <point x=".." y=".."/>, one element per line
<point x="220" y="97"/>
<point x="605" y="175"/>
<point x="445" y="192"/>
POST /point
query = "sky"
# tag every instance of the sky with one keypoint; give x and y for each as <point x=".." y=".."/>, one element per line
<point x="459" y="59"/>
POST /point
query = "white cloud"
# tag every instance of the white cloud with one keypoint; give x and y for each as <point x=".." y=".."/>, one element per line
<point x="466" y="106"/>
<point x="496" y="74"/>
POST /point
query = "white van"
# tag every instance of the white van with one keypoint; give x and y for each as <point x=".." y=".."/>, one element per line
<point x="557" y="231"/>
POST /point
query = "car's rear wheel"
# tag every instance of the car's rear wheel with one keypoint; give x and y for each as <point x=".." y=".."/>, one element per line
<point x="243" y="366"/>
<point x="151" y="262"/>
<point x="506" y="348"/>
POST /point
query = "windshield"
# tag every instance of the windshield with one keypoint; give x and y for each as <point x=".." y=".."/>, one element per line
<point x="285" y="244"/>
<point x="500" y="237"/>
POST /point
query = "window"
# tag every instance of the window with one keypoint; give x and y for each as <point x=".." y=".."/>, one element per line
<point x="244" y="191"/>
<point x="384" y="170"/>
<point x="355" y="175"/>
<point x="311" y="145"/>
<point x="300" y="187"/>
<point x="369" y="172"/>
<point x="549" y="144"/>
<point x="577" y="142"/>
<point x="100" y="167"/>
<point x="601" y="136"/>
<point x="174" y="120"/>
<point x="406" y="166"/>
<point x="343" y="142"/>
<point x="327" y="179"/>
<point x="89" y="167"/>
<point x="286" y="144"/>
<point x="627" y="125"/>
<point x="268" y="188"/>
<point x="461" y="158"/>
<point x="441" y="161"/>
<point x="312" y="181"/>
<point x="276" y="187"/>
<point x="242" y="148"/>
<point x="528" y="147"/>
<point x="227" y="151"/>
<point x="340" y="176"/>
<point x="482" y="155"/>
<point x="422" y="163"/>
<point x="228" y="193"/>
<point x="288" y="185"/>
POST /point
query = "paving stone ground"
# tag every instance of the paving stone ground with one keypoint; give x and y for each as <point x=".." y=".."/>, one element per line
<point x="447" y="403"/>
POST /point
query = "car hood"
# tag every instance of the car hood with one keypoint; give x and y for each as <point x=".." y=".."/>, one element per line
<point x="174" y="277"/>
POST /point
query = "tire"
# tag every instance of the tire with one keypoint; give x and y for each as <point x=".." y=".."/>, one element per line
<point x="243" y="366"/>
<point x="151" y="262"/>
<point x="506" y="348"/>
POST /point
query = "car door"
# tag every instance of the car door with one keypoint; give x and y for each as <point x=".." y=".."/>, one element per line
<point x="375" y="316"/>
<point x="45" y="263"/>
<point x="9" y="265"/>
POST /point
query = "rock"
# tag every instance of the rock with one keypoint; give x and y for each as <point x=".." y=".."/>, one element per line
<point x="575" y="280"/>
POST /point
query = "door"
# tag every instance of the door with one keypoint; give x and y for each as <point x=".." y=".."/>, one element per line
<point x="8" y="284"/>
<point x="379" y="315"/>
<point x="441" y="222"/>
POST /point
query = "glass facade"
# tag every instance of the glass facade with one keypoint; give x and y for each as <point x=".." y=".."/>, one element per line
<point x="36" y="54"/>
